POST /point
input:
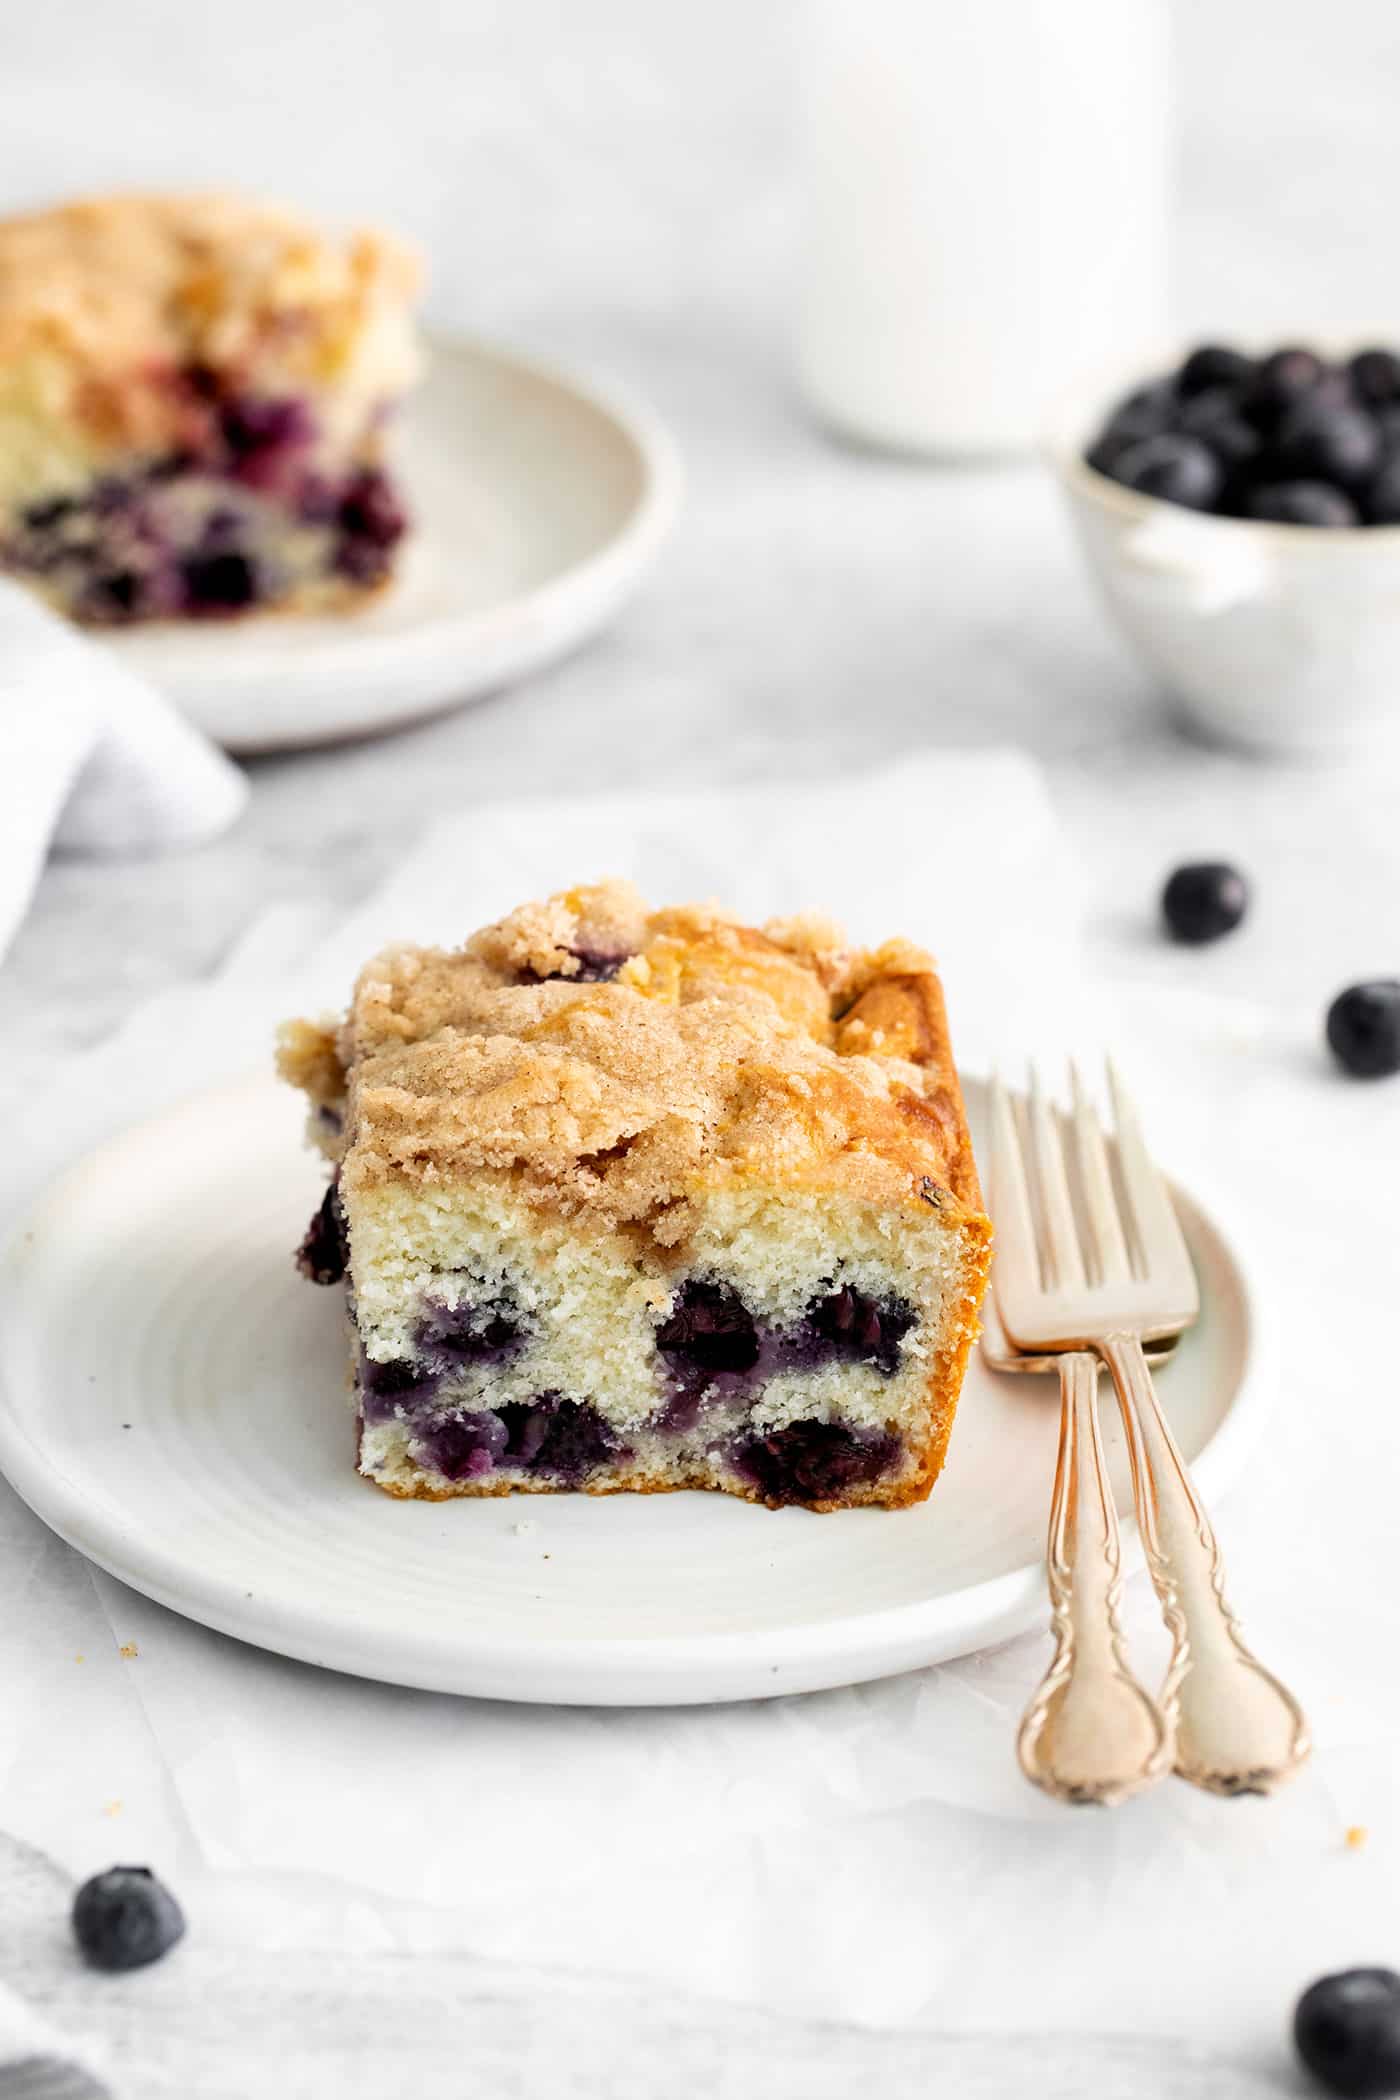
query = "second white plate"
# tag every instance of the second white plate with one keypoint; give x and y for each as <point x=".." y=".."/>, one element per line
<point x="173" y="1403"/>
<point x="539" y="504"/>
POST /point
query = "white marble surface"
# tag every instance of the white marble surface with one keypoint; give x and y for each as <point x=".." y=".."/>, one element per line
<point x="609" y="184"/>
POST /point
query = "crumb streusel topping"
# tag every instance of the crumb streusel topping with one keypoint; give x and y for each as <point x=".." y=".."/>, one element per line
<point x="618" y="1060"/>
<point x="119" y="281"/>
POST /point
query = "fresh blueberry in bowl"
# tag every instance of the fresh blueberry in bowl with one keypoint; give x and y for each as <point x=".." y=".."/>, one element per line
<point x="125" y="1919"/>
<point x="1212" y="366"/>
<point x="1325" y="441"/>
<point x="1375" y="376"/>
<point x="1143" y="414"/>
<point x="1177" y="468"/>
<point x="1289" y="439"/>
<point x="1313" y="503"/>
<point x="1381" y="499"/>
<point x="1346" y="2028"/>
<point x="1363" y="1028"/>
<point x="1284" y="378"/>
<point x="1203" y="900"/>
<point x="1216" y="418"/>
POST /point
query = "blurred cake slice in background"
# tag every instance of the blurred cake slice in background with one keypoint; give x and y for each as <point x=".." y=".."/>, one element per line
<point x="195" y="395"/>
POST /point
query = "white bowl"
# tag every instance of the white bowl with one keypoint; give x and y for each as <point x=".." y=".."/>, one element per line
<point x="1285" y="638"/>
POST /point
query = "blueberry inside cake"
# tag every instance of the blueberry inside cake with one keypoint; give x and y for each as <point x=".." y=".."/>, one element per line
<point x="194" y="399"/>
<point x="633" y="1199"/>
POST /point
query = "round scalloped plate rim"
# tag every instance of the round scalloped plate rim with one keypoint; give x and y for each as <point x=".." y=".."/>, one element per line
<point x="540" y="501"/>
<point x="172" y="1403"/>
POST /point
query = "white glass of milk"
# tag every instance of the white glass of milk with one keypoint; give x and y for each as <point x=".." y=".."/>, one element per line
<point x="985" y="203"/>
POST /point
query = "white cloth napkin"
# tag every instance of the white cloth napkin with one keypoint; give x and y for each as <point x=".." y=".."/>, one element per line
<point x="36" y="2063"/>
<point x="96" y="761"/>
<point x="42" y="2054"/>
<point x="869" y="1854"/>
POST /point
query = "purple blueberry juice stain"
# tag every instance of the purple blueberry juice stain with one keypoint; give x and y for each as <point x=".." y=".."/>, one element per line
<point x="221" y="528"/>
<point x="318" y="500"/>
<point x="564" y="1438"/>
<point x="711" y="1340"/>
<point x="525" y="1423"/>
<point x="361" y="562"/>
<point x="595" y="966"/>
<point x="265" y="439"/>
<point x="852" y="1327"/>
<point x="813" y="1461"/>
<point x="371" y="521"/>
<point x="709" y="1328"/>
<point x="457" y="1329"/>
<point x="42" y="517"/>
<point x="550" y="1435"/>
<point x="399" y="1389"/>
<point x="109" y="494"/>
<point x="325" y="1248"/>
<point x="136" y="547"/>
<point x="370" y="508"/>
<point x="471" y="1334"/>
<point x="114" y="597"/>
<point x="462" y="1446"/>
<point x="216" y="584"/>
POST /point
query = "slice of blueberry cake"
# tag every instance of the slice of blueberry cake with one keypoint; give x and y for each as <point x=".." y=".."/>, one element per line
<point x="194" y="392"/>
<point x="635" y="1199"/>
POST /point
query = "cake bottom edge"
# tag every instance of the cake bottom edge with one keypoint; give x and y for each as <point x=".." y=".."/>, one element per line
<point x="171" y="542"/>
<point x="898" y="1477"/>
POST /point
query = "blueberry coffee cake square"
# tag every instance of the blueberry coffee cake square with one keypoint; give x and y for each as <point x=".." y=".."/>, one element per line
<point x="645" y="1199"/>
<point x="194" y="400"/>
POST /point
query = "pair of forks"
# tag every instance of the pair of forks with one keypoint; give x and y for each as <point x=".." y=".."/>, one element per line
<point x="1090" y="1265"/>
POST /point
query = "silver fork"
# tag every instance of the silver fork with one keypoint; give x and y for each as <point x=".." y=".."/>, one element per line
<point x="1126" y="1280"/>
<point x="1091" y="1733"/>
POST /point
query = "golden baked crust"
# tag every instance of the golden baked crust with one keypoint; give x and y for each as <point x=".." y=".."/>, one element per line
<point x="717" y="1055"/>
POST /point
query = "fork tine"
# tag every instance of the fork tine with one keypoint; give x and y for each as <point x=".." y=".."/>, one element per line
<point x="1155" y="1221"/>
<point x="1107" y="1250"/>
<point x="1060" y="1235"/>
<point x="1011" y="1199"/>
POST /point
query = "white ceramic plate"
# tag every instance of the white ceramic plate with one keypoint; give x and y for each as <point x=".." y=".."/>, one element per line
<point x="172" y="1401"/>
<point x="540" y="502"/>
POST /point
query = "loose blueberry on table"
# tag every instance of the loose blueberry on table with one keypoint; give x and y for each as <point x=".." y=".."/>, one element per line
<point x="1203" y="900"/>
<point x="125" y="1919"/>
<point x="1347" y="2031"/>
<point x="1363" y="1028"/>
<point x="1291" y="438"/>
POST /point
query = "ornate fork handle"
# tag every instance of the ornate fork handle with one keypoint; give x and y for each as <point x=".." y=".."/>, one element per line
<point x="1238" y="1730"/>
<point x="1091" y="1733"/>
